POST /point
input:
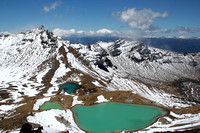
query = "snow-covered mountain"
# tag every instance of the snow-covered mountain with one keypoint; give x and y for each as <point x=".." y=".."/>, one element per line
<point x="137" y="60"/>
<point x="25" y="52"/>
<point x="34" y="63"/>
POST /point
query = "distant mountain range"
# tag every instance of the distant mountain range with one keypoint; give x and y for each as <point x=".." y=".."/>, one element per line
<point x="184" y="45"/>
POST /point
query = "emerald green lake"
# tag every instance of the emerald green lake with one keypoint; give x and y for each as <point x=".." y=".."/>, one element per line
<point x="69" y="87"/>
<point x="115" y="117"/>
<point x="50" y="105"/>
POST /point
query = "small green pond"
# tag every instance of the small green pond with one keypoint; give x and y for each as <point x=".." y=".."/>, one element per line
<point x="50" y="105"/>
<point x="115" y="117"/>
<point x="69" y="87"/>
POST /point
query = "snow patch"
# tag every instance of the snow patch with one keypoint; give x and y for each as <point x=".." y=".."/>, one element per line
<point x="75" y="101"/>
<point x="75" y="63"/>
<point x="50" y="124"/>
<point x="60" y="72"/>
<point x="179" y="123"/>
<point x="41" y="75"/>
<point x="8" y="75"/>
<point x="97" y="83"/>
<point x="52" y="91"/>
<point x="5" y="108"/>
<point x="40" y="102"/>
<point x="101" y="99"/>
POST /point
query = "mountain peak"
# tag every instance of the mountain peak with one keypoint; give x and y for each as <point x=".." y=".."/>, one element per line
<point x="44" y="36"/>
<point x="37" y="30"/>
<point x="41" y="27"/>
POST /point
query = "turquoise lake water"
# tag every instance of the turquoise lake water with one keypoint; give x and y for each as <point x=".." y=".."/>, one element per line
<point x="115" y="117"/>
<point x="69" y="87"/>
<point x="50" y="105"/>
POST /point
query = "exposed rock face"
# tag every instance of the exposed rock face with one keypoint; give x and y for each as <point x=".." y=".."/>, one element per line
<point x="189" y="89"/>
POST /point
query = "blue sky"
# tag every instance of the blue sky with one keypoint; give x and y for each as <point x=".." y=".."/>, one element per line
<point x="103" y="17"/>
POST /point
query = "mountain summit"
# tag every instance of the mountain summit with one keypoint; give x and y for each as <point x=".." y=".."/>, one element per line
<point x="34" y="63"/>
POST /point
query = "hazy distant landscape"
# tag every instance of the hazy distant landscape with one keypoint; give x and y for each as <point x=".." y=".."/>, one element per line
<point x="174" y="44"/>
<point x="186" y="45"/>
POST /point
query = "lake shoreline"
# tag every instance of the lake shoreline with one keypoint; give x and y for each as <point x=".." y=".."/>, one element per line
<point x="165" y="112"/>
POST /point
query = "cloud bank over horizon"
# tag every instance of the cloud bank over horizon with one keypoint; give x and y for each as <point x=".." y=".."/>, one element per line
<point x="73" y="32"/>
<point x="99" y="33"/>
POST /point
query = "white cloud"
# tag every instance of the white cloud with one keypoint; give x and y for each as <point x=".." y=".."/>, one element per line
<point x="5" y="33"/>
<point x="52" y="7"/>
<point x="64" y="33"/>
<point x="104" y="31"/>
<point x="129" y="34"/>
<point x="142" y="19"/>
<point x="73" y="32"/>
<point x="80" y="32"/>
